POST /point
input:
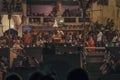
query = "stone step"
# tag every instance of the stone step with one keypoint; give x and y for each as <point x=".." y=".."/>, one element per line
<point x="94" y="72"/>
<point x="96" y="54"/>
<point x="93" y="67"/>
<point x="96" y="57"/>
<point x="96" y="76"/>
<point x="111" y="77"/>
<point x="94" y="60"/>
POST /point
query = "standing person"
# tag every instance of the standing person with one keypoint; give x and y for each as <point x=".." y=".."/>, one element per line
<point x="34" y="37"/>
<point x="17" y="48"/>
<point x="91" y="44"/>
<point x="99" y="38"/>
<point x="35" y="62"/>
<point x="109" y="36"/>
<point x="26" y="62"/>
<point x="27" y="38"/>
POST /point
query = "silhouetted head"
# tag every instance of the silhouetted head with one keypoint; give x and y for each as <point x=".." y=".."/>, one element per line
<point x="78" y="74"/>
<point x="36" y="76"/>
<point x="13" y="77"/>
<point x="48" y="77"/>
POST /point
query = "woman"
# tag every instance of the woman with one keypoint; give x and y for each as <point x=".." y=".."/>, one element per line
<point x="91" y="44"/>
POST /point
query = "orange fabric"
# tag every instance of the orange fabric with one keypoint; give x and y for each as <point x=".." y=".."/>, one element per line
<point x="91" y="43"/>
<point x="27" y="38"/>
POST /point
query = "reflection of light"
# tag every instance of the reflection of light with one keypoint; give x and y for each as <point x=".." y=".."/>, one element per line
<point x="12" y="26"/>
<point x="55" y="23"/>
<point x="61" y="20"/>
<point x="74" y="0"/>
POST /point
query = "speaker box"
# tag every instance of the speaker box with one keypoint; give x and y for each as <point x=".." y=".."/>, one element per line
<point x="5" y="55"/>
<point x="114" y="51"/>
<point x="49" y="48"/>
<point x="33" y="52"/>
<point x="61" y="65"/>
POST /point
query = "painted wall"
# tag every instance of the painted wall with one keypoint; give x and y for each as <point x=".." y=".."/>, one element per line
<point x="46" y="9"/>
<point x="109" y="11"/>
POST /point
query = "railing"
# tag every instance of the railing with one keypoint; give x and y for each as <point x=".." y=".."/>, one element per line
<point x="66" y="20"/>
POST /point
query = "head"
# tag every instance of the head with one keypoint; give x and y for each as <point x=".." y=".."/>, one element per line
<point x="78" y="74"/>
<point x="13" y="77"/>
<point x="36" y="76"/>
<point x="48" y="77"/>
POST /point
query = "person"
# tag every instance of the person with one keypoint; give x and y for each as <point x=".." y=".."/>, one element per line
<point x="17" y="47"/>
<point x="60" y="33"/>
<point x="36" y="76"/>
<point x="26" y="62"/>
<point x="108" y="66"/>
<point x="78" y="74"/>
<point x="99" y="38"/>
<point x="48" y="77"/>
<point x="27" y="38"/>
<point x="91" y="44"/>
<point x="13" y="77"/>
<point x="35" y="62"/>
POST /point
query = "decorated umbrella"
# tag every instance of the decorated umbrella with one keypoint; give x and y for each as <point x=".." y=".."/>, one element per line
<point x="11" y="32"/>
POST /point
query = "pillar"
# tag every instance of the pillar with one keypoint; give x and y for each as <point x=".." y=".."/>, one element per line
<point x="59" y="8"/>
<point x="24" y="8"/>
<point x="0" y="6"/>
<point x="23" y="17"/>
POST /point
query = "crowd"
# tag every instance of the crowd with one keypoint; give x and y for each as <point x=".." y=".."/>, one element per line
<point x="97" y="38"/>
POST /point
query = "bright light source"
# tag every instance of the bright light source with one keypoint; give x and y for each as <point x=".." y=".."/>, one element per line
<point x="74" y="0"/>
<point x="12" y="26"/>
<point x="61" y="20"/>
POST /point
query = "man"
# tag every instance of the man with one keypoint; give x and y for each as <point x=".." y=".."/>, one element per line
<point x="17" y="47"/>
<point x="99" y="38"/>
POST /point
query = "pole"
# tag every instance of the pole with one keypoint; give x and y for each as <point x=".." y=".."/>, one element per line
<point x="118" y="21"/>
<point x="84" y="16"/>
<point x="82" y="4"/>
<point x="9" y="18"/>
<point x="59" y="8"/>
